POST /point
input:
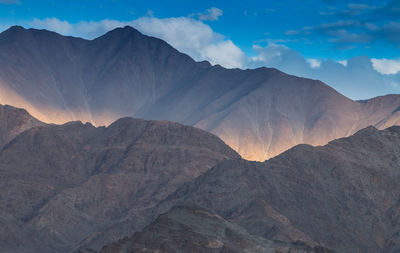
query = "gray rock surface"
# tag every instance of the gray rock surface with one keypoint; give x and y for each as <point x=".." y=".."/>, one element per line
<point x="75" y="184"/>
<point x="343" y="196"/>
<point x="193" y="229"/>
<point x="259" y="113"/>
<point x="14" y="121"/>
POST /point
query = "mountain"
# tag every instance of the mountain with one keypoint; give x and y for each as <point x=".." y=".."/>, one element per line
<point x="194" y="229"/>
<point x="68" y="185"/>
<point x="14" y="121"/>
<point x="343" y="196"/>
<point x="259" y="113"/>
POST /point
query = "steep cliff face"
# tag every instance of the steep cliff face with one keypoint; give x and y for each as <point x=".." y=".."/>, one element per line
<point x="343" y="196"/>
<point x="259" y="113"/>
<point x="63" y="186"/>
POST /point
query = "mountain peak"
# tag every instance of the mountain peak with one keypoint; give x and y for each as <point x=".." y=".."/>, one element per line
<point x="21" y="33"/>
<point x="16" y="28"/>
<point x="14" y="121"/>
<point x="126" y="29"/>
<point x="122" y="32"/>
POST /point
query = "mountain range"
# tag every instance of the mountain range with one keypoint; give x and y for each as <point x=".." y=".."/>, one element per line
<point x="63" y="185"/>
<point x="259" y="113"/>
<point x="123" y="144"/>
<point x="343" y="196"/>
<point x="71" y="187"/>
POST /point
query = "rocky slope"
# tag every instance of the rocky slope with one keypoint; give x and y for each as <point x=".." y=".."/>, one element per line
<point x="68" y="187"/>
<point x="344" y="196"/>
<point x="193" y="229"/>
<point x="75" y="184"/>
<point x="14" y="121"/>
<point x="259" y="112"/>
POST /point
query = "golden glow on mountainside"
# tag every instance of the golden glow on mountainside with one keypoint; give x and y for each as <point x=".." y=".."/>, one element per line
<point x="50" y="115"/>
<point x="253" y="141"/>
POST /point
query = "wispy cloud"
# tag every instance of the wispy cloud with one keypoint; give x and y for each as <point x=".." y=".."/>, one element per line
<point x="358" y="23"/>
<point x="343" y="62"/>
<point x="314" y="63"/>
<point x="362" y="7"/>
<point x="386" y="66"/>
<point x="53" y="24"/>
<point x="352" y="32"/>
<point x="211" y="14"/>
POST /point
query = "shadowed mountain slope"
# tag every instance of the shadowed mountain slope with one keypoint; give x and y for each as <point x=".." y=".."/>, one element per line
<point x="193" y="229"/>
<point x="344" y="196"/>
<point x="259" y="113"/>
<point x="62" y="185"/>
<point x="79" y="186"/>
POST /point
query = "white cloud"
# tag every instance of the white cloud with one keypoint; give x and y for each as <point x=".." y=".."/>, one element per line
<point x="280" y="57"/>
<point x="211" y="14"/>
<point x="271" y="54"/>
<point x="186" y="34"/>
<point x="194" y="38"/>
<point x="314" y="63"/>
<point x="343" y="62"/>
<point x="225" y="53"/>
<point x="53" y="24"/>
<point x="386" y="66"/>
<point x="85" y="29"/>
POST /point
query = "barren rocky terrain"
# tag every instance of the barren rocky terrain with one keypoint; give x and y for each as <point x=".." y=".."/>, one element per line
<point x="67" y="185"/>
<point x="65" y="188"/>
<point x="193" y="229"/>
<point x="259" y="113"/>
<point x="343" y="196"/>
<point x="14" y="121"/>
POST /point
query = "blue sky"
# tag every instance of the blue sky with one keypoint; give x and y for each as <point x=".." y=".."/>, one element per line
<point x="351" y="45"/>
